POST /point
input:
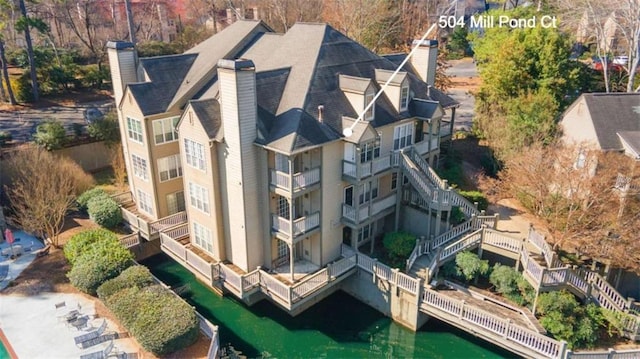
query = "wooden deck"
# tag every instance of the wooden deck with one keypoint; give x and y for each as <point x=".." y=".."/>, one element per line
<point x="490" y="307"/>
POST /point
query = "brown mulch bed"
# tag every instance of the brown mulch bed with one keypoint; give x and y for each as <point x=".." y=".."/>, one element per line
<point x="48" y="274"/>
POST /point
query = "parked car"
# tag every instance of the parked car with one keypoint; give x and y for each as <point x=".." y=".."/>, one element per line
<point x="92" y="114"/>
<point x="621" y="60"/>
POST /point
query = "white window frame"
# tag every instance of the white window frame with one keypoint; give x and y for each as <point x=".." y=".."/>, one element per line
<point x="371" y="112"/>
<point x="365" y="233"/>
<point x="167" y="165"/>
<point x="284" y="210"/>
<point x="140" y="167"/>
<point x="168" y="130"/>
<point x="404" y="97"/>
<point x="282" y="162"/>
<point x="368" y="191"/>
<point x="403" y="136"/>
<point x="394" y="180"/>
<point x="173" y="202"/>
<point x="134" y="130"/>
<point x="194" y="153"/>
<point x="199" y="197"/>
<point x="145" y="202"/>
<point x="202" y="237"/>
<point x="369" y="151"/>
<point x="283" y="249"/>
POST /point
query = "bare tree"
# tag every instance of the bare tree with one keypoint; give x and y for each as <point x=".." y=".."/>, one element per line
<point x="5" y="74"/>
<point x="42" y="189"/>
<point x="572" y="189"/>
<point x="119" y="167"/>
<point x="25" y="27"/>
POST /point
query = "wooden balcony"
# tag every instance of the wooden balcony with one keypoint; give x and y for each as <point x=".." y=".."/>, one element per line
<point x="297" y="182"/>
<point x="426" y="146"/>
<point x="301" y="226"/>
<point x="357" y="171"/>
<point x="148" y="228"/>
<point x="379" y="207"/>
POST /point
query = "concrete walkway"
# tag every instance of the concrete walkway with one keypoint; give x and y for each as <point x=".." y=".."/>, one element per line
<point x="32" y="326"/>
<point x="16" y="266"/>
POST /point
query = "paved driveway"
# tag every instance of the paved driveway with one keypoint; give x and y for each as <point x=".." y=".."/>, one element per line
<point x="459" y="69"/>
<point x="22" y="124"/>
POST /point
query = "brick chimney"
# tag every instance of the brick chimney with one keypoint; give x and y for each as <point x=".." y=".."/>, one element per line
<point x="424" y="60"/>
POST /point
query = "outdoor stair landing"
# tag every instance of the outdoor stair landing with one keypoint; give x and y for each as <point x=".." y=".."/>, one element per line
<point x="421" y="265"/>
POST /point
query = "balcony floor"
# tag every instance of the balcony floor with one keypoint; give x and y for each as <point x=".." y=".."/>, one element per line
<point x="301" y="269"/>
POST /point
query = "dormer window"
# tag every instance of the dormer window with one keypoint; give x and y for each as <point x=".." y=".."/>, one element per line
<point x="368" y="98"/>
<point x="404" y="97"/>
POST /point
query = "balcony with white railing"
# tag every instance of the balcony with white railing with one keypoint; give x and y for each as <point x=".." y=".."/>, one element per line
<point x="358" y="171"/>
<point x="296" y="182"/>
<point x="301" y="226"/>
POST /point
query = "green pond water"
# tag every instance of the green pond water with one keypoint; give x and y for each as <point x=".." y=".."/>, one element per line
<point x="337" y="327"/>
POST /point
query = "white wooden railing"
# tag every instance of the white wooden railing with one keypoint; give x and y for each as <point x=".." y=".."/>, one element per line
<point x="512" y="332"/>
<point x="342" y="266"/>
<point x="503" y="241"/>
<point x="169" y="221"/>
<point x="231" y="277"/>
<point x="464" y="243"/>
<point x="301" y="180"/>
<point x="383" y="203"/>
<point x="273" y="287"/>
<point x="538" y="240"/>
<point x="300" y="226"/>
<point x="627" y="184"/>
<point x="353" y="214"/>
<point x="422" y="147"/>
<point x="250" y="280"/>
<point x="167" y="241"/>
<point x="130" y="240"/>
<point x="609" y="354"/>
<point x="369" y="168"/>
<point x="309" y="284"/>
<point x="198" y="263"/>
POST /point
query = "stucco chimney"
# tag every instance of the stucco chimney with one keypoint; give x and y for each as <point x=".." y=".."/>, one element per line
<point x="244" y="164"/>
<point x="424" y="60"/>
<point x="123" y="65"/>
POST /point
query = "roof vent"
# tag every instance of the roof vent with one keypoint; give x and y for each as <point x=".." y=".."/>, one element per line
<point x="320" y="112"/>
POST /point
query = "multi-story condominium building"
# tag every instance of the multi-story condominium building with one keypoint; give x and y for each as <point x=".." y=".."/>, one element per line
<point x="237" y="159"/>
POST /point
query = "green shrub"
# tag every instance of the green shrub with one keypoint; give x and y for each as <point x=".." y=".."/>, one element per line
<point x="104" y="211"/>
<point x="50" y="135"/>
<point x="134" y="276"/>
<point x="94" y="77"/>
<point x="86" y="196"/>
<point x="470" y="266"/>
<point x="83" y="241"/>
<point x="106" y="129"/>
<point x="398" y="246"/>
<point x="21" y="87"/>
<point x="565" y="319"/>
<point x="161" y="322"/>
<point x="476" y="196"/>
<point x="504" y="279"/>
<point x="104" y="260"/>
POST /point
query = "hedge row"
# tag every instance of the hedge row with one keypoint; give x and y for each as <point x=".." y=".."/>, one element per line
<point x="101" y="208"/>
<point x="161" y="322"/>
<point x="96" y="256"/>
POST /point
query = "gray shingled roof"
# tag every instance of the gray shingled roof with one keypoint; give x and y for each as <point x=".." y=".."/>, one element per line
<point x="445" y="100"/>
<point x="612" y="113"/>
<point x="208" y="113"/>
<point x="296" y="72"/>
<point x="166" y="74"/>
<point x="632" y="138"/>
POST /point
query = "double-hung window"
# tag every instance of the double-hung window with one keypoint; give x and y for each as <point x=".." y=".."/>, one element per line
<point x="169" y="168"/>
<point x="165" y="130"/>
<point x="368" y="98"/>
<point x="194" y="152"/>
<point x="202" y="237"/>
<point x="139" y="167"/>
<point x="175" y="202"/>
<point x="145" y="202"/>
<point x="364" y="233"/>
<point x="134" y="130"/>
<point x="368" y="191"/>
<point x="403" y="136"/>
<point x="404" y="97"/>
<point x="199" y="197"/>
<point x="369" y="151"/>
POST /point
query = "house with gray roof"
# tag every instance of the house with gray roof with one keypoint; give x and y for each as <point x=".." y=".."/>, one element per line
<point x="267" y="153"/>
<point x="605" y="121"/>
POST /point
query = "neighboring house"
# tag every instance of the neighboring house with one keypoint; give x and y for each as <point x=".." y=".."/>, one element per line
<point x="242" y="137"/>
<point x="604" y="121"/>
<point x="586" y="33"/>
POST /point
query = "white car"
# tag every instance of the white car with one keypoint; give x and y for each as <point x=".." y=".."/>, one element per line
<point x="621" y="60"/>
